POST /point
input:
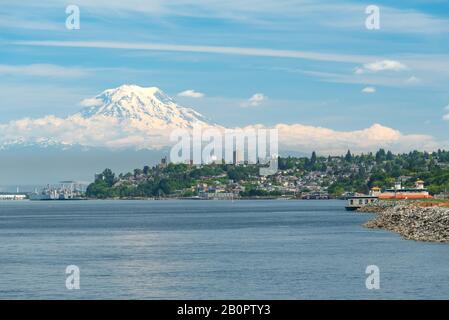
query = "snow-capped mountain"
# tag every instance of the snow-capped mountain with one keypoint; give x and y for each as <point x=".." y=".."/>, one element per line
<point x="129" y="116"/>
<point x="30" y="143"/>
<point x="147" y="108"/>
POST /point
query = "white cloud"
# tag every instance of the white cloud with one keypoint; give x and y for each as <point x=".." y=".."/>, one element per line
<point x="258" y="52"/>
<point x="91" y="102"/>
<point x="381" y="65"/>
<point x="393" y="20"/>
<point x="410" y="21"/>
<point x="372" y="79"/>
<point x="191" y="94"/>
<point x="369" y="90"/>
<point x="76" y="130"/>
<point x="446" y="116"/>
<point x="255" y="100"/>
<point x="28" y="22"/>
<point x="429" y="70"/>
<point x="109" y="133"/>
<point x="344" y="15"/>
<point x="413" y="80"/>
<point x="42" y="70"/>
<point x="299" y="137"/>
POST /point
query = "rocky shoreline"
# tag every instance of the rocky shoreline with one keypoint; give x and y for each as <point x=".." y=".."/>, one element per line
<point x="412" y="220"/>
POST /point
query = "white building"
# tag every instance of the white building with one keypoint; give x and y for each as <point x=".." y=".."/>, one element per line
<point x="12" y="197"/>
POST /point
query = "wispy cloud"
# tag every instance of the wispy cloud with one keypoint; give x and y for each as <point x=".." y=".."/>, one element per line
<point x="90" y="102"/>
<point x="323" y="13"/>
<point x="369" y="90"/>
<point x="393" y="20"/>
<point x="360" y="79"/>
<point x="412" y="21"/>
<point x="255" y="100"/>
<point x="413" y="80"/>
<point x="191" y="94"/>
<point x="42" y="70"/>
<point x="28" y="22"/>
<point x="260" y="52"/>
<point x="446" y="116"/>
<point x="381" y="65"/>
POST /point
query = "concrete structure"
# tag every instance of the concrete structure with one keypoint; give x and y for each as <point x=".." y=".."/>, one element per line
<point x="398" y="192"/>
<point x="359" y="201"/>
<point x="217" y="195"/>
<point x="375" y="191"/>
<point x="12" y="197"/>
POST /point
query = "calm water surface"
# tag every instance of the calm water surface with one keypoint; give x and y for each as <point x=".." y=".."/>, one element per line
<point x="209" y="250"/>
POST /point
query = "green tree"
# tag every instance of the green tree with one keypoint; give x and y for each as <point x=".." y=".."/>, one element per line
<point x="389" y="156"/>
<point x="348" y="156"/>
<point x="107" y="176"/>
<point x="313" y="158"/>
<point x="380" y="156"/>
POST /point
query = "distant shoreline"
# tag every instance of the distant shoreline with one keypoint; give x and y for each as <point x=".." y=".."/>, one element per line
<point x="180" y="199"/>
<point x="198" y="199"/>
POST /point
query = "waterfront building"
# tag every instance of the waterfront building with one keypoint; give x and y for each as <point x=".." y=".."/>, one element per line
<point x="12" y="197"/>
<point x="375" y="191"/>
<point x="214" y="195"/>
<point x="399" y="192"/>
<point x="359" y="201"/>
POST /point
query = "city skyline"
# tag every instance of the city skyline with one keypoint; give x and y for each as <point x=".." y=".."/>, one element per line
<point x="311" y="69"/>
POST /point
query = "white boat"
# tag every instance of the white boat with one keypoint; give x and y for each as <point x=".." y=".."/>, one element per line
<point x="358" y="201"/>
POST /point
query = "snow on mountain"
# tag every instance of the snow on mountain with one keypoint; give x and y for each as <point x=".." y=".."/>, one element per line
<point x="129" y="116"/>
<point x="133" y="117"/>
<point x="38" y="143"/>
<point x="147" y="108"/>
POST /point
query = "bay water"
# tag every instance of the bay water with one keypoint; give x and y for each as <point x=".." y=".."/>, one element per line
<point x="181" y="249"/>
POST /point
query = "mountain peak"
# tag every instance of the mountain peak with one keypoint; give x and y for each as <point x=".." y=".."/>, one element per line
<point x="132" y="88"/>
<point x="147" y="107"/>
<point x="129" y="91"/>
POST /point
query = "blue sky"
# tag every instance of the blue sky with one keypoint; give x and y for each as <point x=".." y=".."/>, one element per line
<point x="312" y="62"/>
